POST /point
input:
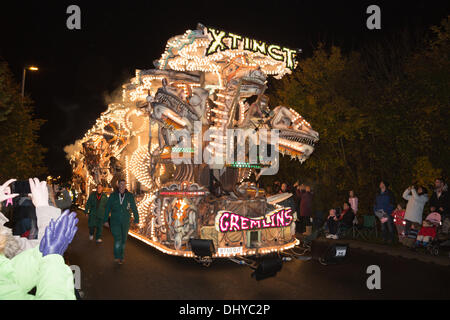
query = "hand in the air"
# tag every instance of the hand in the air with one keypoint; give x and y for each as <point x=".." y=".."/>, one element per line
<point x="5" y="191"/>
<point x="39" y="192"/>
<point x="59" y="234"/>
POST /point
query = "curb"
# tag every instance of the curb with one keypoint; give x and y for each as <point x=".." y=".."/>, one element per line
<point x="402" y="252"/>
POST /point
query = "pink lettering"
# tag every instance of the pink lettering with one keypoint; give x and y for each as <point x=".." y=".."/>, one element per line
<point x="255" y="224"/>
<point x="265" y="224"/>
<point x="234" y="222"/>
<point x="288" y="216"/>
<point x="223" y="225"/>
<point x="280" y="219"/>
<point x="272" y="220"/>
<point x="244" y="222"/>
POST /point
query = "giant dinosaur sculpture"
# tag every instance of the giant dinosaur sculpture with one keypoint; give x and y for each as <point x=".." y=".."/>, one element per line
<point x="206" y="83"/>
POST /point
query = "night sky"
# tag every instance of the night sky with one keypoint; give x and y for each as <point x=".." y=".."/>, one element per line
<point x="79" y="70"/>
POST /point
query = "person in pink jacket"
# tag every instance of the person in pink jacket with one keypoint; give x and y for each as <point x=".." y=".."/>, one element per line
<point x="353" y="200"/>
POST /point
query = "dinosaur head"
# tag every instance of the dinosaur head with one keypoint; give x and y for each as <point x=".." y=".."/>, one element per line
<point x="252" y="80"/>
<point x="296" y="136"/>
<point x="170" y="106"/>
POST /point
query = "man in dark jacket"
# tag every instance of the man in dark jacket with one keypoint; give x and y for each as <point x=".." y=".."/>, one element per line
<point x="119" y="205"/>
<point x="384" y="203"/>
<point x="95" y="208"/>
<point x="440" y="203"/>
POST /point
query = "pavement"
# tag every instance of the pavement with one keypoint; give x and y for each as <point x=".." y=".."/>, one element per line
<point x="396" y="250"/>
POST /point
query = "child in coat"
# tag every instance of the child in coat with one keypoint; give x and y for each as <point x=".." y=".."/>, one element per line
<point x="399" y="220"/>
<point x="428" y="230"/>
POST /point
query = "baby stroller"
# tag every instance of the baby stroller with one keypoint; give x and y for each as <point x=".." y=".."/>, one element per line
<point x="436" y="245"/>
<point x="426" y="237"/>
<point x="441" y="241"/>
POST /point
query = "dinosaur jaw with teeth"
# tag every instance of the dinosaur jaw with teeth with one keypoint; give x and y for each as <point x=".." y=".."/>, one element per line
<point x="177" y="105"/>
<point x="296" y="145"/>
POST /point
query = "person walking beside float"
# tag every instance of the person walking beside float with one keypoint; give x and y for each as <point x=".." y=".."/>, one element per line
<point x="119" y="205"/>
<point x="95" y="208"/>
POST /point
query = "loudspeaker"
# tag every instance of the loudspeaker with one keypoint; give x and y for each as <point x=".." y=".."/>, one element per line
<point x="329" y="253"/>
<point x="202" y="247"/>
<point x="268" y="267"/>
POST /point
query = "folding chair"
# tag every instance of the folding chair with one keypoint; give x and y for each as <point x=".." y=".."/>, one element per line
<point x="369" y="225"/>
<point x="357" y="232"/>
<point x="345" y="231"/>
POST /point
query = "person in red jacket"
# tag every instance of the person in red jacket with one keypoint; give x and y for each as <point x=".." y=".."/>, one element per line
<point x="345" y="218"/>
<point x="347" y="215"/>
<point x="399" y="220"/>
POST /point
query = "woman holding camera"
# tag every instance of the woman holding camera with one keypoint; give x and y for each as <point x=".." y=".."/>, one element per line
<point x="414" y="208"/>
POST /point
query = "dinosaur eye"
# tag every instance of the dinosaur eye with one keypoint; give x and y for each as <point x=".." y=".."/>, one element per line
<point x="287" y="122"/>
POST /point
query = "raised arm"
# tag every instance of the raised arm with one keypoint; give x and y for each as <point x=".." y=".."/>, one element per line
<point x="406" y="195"/>
<point x="44" y="213"/>
<point x="55" y="280"/>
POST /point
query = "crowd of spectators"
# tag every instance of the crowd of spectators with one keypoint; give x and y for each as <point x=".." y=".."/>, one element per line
<point x="404" y="222"/>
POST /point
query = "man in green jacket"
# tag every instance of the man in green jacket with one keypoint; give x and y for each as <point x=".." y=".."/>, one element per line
<point x="95" y="208"/>
<point x="119" y="205"/>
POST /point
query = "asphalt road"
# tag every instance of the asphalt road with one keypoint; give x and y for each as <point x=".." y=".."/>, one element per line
<point x="150" y="274"/>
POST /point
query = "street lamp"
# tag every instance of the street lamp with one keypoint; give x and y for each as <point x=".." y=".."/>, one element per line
<point x="32" y="68"/>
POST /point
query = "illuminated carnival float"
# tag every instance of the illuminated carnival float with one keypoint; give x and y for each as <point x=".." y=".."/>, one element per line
<point x="207" y="83"/>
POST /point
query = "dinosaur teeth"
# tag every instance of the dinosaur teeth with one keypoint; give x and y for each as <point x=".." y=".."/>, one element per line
<point x="298" y="139"/>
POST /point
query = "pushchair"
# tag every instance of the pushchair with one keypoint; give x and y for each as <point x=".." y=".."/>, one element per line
<point x="431" y="229"/>
<point x="436" y="245"/>
<point x="441" y="241"/>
